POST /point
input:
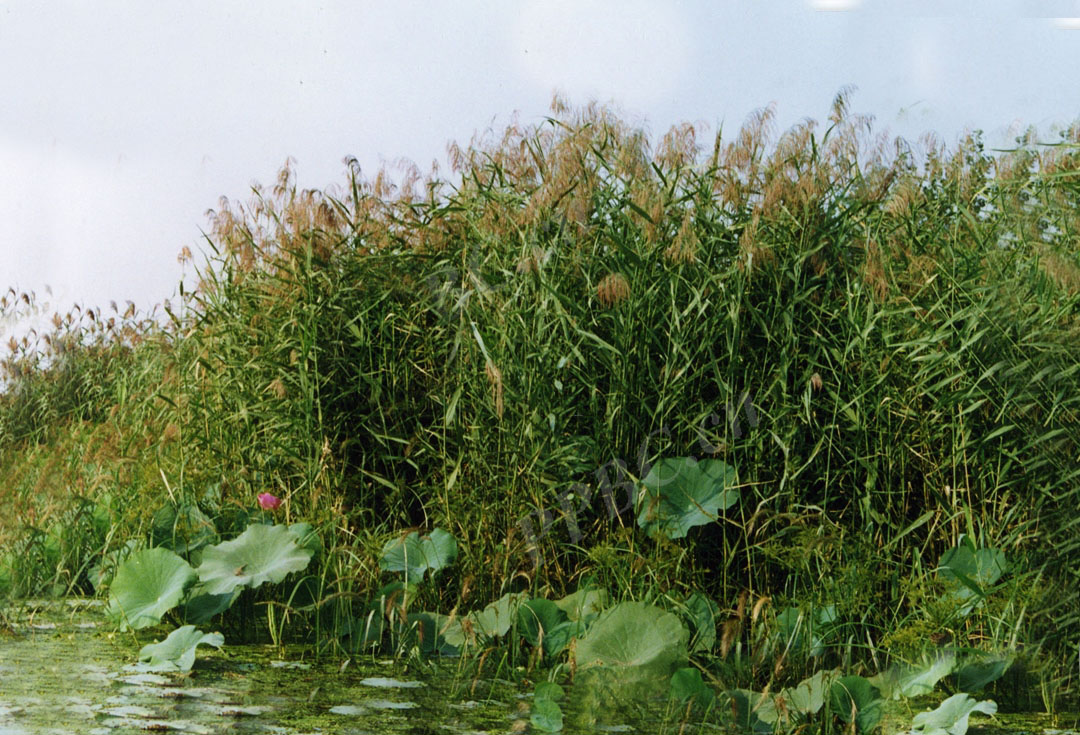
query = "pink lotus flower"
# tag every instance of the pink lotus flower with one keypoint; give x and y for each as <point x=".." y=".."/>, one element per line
<point x="268" y="501"/>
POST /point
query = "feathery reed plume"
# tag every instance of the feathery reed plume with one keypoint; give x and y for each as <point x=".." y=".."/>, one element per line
<point x="495" y="379"/>
<point x="684" y="247"/>
<point x="612" y="289"/>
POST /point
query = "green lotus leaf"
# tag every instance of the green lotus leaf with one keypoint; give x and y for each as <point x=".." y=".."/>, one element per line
<point x="899" y="681"/>
<point x="496" y="619"/>
<point x="415" y="555"/>
<point x="546" y="716"/>
<point x="855" y="699"/>
<point x="584" y="604"/>
<point x="433" y="632"/>
<point x="542" y="623"/>
<point x="306" y="537"/>
<point x="548" y="690"/>
<point x="951" y="716"/>
<point x="808" y="696"/>
<point x="638" y="640"/>
<point x="260" y="554"/>
<point x="365" y="631"/>
<point x="177" y="652"/>
<point x="201" y="605"/>
<point x="147" y="585"/>
<point x="687" y="685"/>
<point x="754" y="712"/>
<point x="976" y="674"/>
<point x="972" y="572"/>
<point x="804" y="632"/>
<point x="681" y="493"/>
<point x="703" y="615"/>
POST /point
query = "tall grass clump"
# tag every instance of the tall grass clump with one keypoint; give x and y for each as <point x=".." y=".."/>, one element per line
<point x="79" y="436"/>
<point x="877" y="335"/>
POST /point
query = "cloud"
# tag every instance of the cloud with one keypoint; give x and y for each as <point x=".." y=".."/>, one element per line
<point x="835" y="5"/>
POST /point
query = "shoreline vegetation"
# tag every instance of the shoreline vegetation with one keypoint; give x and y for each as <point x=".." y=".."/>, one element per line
<point x="786" y="423"/>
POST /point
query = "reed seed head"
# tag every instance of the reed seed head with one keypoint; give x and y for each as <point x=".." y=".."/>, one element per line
<point x="612" y="289"/>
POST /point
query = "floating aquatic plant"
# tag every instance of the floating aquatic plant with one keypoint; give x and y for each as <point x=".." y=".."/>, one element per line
<point x="177" y="651"/>
<point x="416" y="555"/>
<point x="260" y="554"/>
<point x="856" y="701"/>
<point x="682" y="492"/>
<point x="635" y="639"/>
<point x="951" y="716"/>
<point x="147" y="585"/>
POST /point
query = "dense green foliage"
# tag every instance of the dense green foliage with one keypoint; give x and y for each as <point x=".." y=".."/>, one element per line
<point x="877" y="339"/>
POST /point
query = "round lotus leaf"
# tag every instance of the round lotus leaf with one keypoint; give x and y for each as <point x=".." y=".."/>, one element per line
<point x="637" y="639"/>
<point x="260" y="554"/>
<point x="681" y="493"/>
<point x="147" y="585"/>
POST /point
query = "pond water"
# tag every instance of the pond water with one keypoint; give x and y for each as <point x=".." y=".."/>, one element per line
<point x="64" y="670"/>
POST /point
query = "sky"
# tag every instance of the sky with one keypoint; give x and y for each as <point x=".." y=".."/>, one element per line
<point x="122" y="123"/>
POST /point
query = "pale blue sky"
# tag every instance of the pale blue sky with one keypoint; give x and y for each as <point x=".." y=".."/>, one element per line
<point x="121" y="123"/>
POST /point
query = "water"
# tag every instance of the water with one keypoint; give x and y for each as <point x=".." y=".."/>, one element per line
<point x="63" y="669"/>
<point x="69" y="674"/>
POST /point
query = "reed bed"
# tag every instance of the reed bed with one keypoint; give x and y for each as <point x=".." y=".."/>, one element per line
<point x="879" y="336"/>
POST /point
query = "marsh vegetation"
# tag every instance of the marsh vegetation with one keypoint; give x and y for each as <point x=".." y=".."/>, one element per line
<point x="781" y="430"/>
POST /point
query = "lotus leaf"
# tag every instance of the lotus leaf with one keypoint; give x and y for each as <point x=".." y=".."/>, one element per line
<point x="542" y="623"/>
<point x="584" y="604"/>
<point x="687" y="685"/>
<point x="433" y="632"/>
<point x="182" y="528"/>
<point x="177" y="652"/>
<point x="855" y="699"/>
<point x="702" y="614"/>
<point x="415" y="555"/>
<point x="754" y="712"/>
<point x="951" y="716"/>
<point x="306" y="537"/>
<point x="972" y="570"/>
<point x="805" y="633"/>
<point x="260" y="554"/>
<point x="147" y="585"/>
<point x="913" y="681"/>
<point x="546" y="716"/>
<point x="363" y="632"/>
<point x="681" y="493"/>
<point x="548" y="690"/>
<point x="975" y="675"/>
<point x="637" y="639"/>
<point x="495" y="619"/>
<point x="101" y="574"/>
<point x="808" y="696"/>
<point x="201" y="605"/>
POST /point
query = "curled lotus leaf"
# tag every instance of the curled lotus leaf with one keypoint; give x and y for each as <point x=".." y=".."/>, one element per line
<point x="177" y="652"/>
<point x="951" y="716"/>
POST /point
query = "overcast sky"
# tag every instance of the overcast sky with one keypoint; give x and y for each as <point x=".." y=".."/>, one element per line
<point x="121" y="123"/>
